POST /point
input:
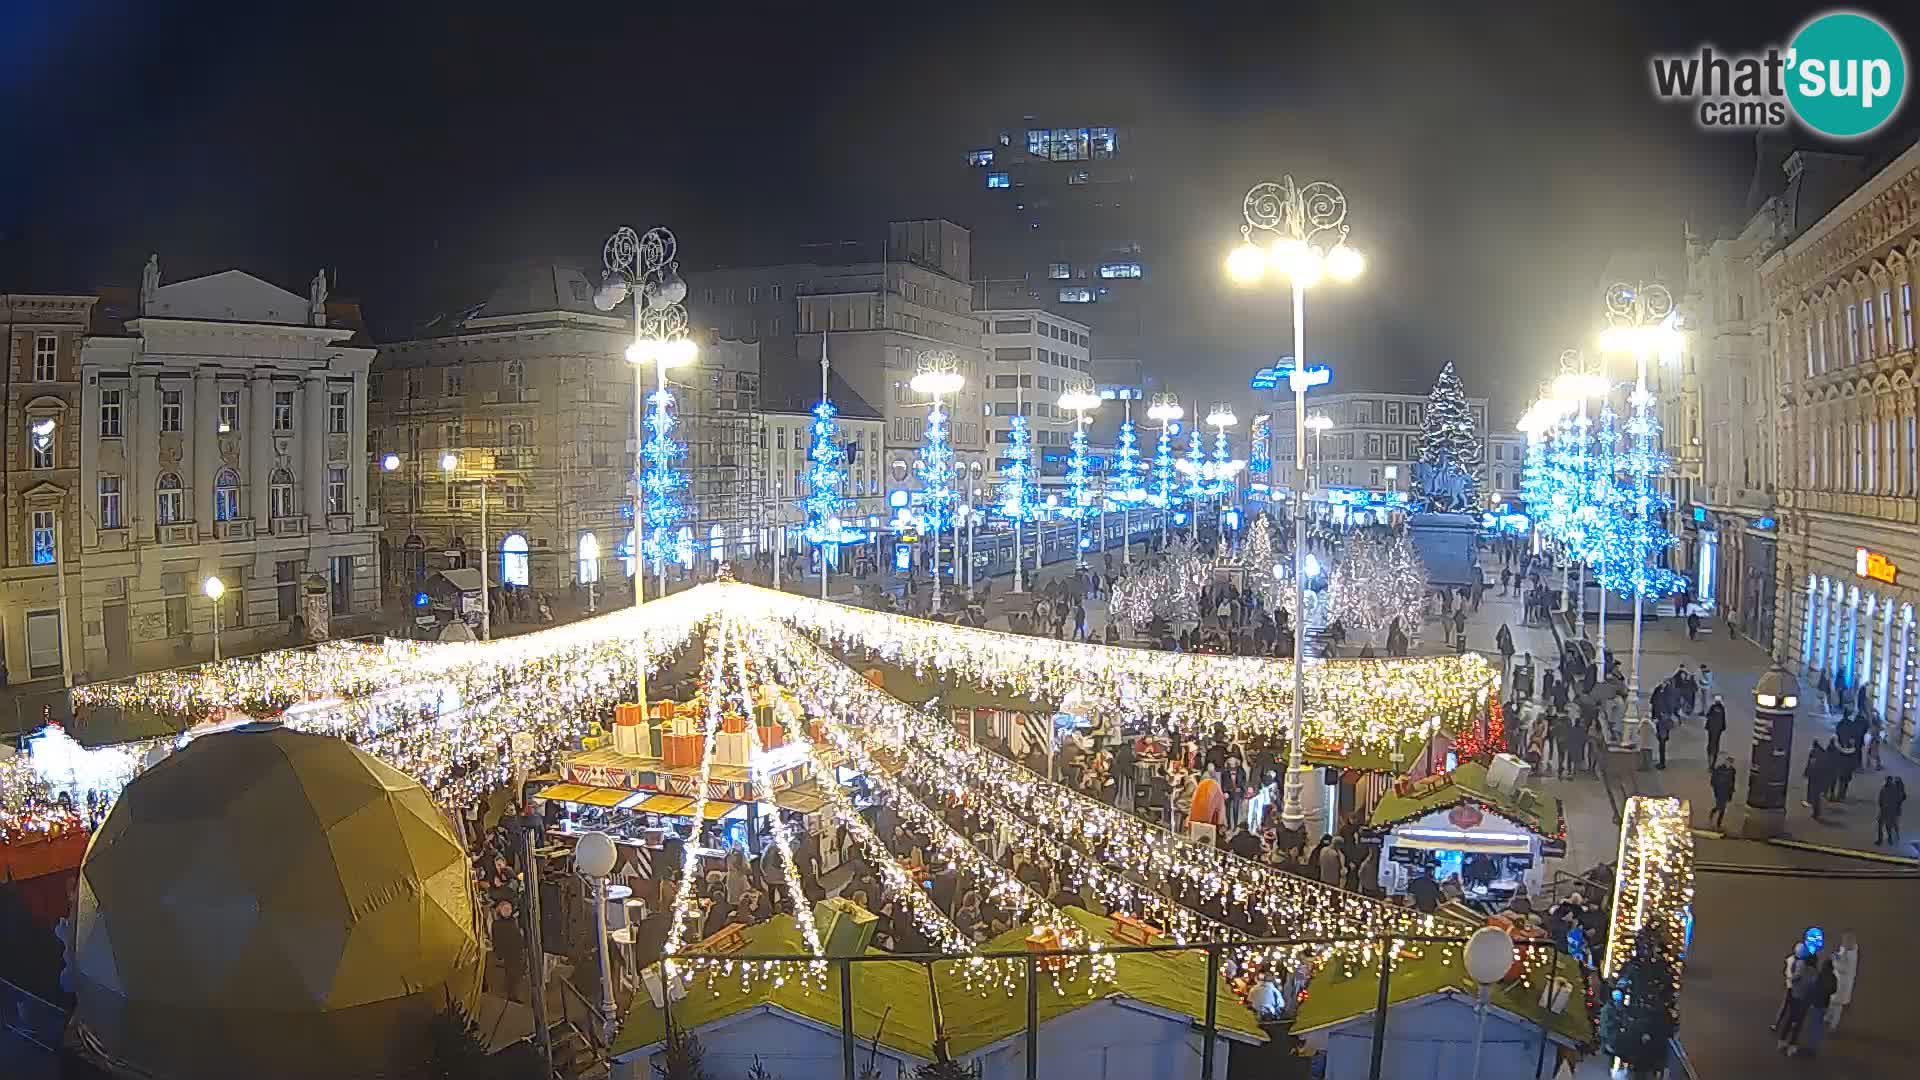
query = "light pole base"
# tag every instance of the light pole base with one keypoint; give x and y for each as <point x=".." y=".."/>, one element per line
<point x="1760" y="824"/>
<point x="1301" y="797"/>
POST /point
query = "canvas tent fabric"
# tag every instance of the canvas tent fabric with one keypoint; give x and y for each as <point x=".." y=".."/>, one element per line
<point x="1173" y="982"/>
<point x="1468" y="782"/>
<point x="1333" y="998"/>
<point x="288" y="892"/>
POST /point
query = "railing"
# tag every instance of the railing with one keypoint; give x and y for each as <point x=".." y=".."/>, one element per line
<point x="233" y="529"/>
<point x="1038" y="969"/>
<point x="293" y="525"/>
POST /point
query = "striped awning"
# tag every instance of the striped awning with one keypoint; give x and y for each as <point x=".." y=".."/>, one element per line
<point x="606" y="796"/>
<point x="666" y="804"/>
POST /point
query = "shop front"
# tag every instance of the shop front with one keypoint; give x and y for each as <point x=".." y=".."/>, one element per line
<point x="1492" y="841"/>
<point x="1858" y="642"/>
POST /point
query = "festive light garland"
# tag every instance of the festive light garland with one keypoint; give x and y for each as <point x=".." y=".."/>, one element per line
<point x="1536" y="476"/>
<point x="1368" y="704"/>
<point x="684" y="907"/>
<point x="664" y="482"/>
<point x="1636" y="549"/>
<point x="1287" y="903"/>
<point x="1127" y="465"/>
<point x="1195" y="468"/>
<point x="1379" y="582"/>
<point x="1653" y="882"/>
<point x="1078" y="499"/>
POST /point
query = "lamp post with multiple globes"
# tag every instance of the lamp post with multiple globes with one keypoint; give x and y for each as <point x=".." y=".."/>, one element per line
<point x="1305" y="229"/>
<point x="1079" y="401"/>
<point x="939" y="376"/>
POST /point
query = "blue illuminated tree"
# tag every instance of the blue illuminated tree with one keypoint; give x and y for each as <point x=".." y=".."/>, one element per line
<point x="1222" y="460"/>
<point x="1079" y="501"/>
<point x="1016" y="502"/>
<point x="664" y="481"/>
<point x="1195" y="468"/>
<point x="1636" y="549"/>
<point x="1163" y="495"/>
<point x="826" y="479"/>
<point x="1604" y="494"/>
<point x="1536" y="480"/>
<point x="1127" y="468"/>
<point x="935" y="469"/>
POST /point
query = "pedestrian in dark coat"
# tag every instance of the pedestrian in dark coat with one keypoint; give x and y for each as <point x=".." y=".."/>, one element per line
<point x="1817" y="777"/>
<point x="1893" y="796"/>
<point x="1722" y="779"/>
<point x="1716" y="726"/>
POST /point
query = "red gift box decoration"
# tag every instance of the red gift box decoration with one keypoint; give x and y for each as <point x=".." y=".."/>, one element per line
<point x="682" y="751"/>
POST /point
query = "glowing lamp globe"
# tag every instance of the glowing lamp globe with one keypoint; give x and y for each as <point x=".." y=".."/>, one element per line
<point x="267" y="902"/>
<point x="594" y="855"/>
<point x="390" y="462"/>
<point x="610" y="294"/>
<point x="1345" y="264"/>
<point x="1489" y="955"/>
<point x="1247" y="264"/>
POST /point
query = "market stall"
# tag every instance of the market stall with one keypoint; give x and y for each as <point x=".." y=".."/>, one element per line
<point x="1488" y="833"/>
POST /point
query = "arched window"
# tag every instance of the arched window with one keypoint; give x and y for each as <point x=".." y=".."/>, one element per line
<point x="516" y="435"/>
<point x="280" y="489"/>
<point x="169" y="501"/>
<point x="226" y="495"/>
<point x="513" y="560"/>
<point x="717" y="543"/>
<point x="589" y="555"/>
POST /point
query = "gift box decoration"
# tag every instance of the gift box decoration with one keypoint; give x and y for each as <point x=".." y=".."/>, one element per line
<point x="817" y="730"/>
<point x="681" y="751"/>
<point x="733" y="724"/>
<point x="661" y="710"/>
<point x="685" y="724"/>
<point x="654" y="732"/>
<point x="628" y="714"/>
<point x="733" y="748"/>
<point x="773" y="737"/>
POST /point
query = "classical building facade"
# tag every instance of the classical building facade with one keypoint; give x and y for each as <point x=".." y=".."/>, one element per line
<point x="531" y="395"/>
<point x="786" y="439"/>
<point x="40" y="503"/>
<point x="1374" y="440"/>
<point x="220" y="432"/>
<point x="1841" y="298"/>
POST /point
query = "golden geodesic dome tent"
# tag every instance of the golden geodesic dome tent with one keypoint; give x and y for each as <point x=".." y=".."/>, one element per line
<point x="271" y="903"/>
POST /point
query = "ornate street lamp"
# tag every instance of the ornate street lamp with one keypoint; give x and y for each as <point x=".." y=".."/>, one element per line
<point x="938" y="376"/>
<point x="1305" y="234"/>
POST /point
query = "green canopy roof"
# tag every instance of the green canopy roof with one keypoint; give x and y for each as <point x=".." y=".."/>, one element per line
<point x="1175" y="982"/>
<point x="1467" y="782"/>
<point x="918" y="690"/>
<point x="1333" y="998"/>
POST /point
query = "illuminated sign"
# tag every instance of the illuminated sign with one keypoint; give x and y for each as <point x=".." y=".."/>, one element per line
<point x="1267" y="378"/>
<point x="1874" y="565"/>
<point x="1302" y="379"/>
<point x="1763" y="523"/>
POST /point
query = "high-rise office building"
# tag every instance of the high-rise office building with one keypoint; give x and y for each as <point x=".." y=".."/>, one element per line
<point x="1057" y="226"/>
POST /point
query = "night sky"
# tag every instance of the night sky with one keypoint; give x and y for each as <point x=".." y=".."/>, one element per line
<point x="1495" y="158"/>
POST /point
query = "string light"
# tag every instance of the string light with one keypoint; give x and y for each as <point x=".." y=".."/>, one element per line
<point x="664" y="482"/>
<point x="1653" y="882"/>
<point x="1016" y="484"/>
<point x="826" y="478"/>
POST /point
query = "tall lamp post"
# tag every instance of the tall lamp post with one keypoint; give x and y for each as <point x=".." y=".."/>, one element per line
<point x="449" y="464"/>
<point x="1079" y="401"/>
<point x="1641" y="323"/>
<point x="1167" y="412"/>
<point x="1221" y="419"/>
<point x="938" y="377"/>
<point x="593" y="858"/>
<point x="1306" y="232"/>
<point x="1319" y="424"/>
<point x="215" y="589"/>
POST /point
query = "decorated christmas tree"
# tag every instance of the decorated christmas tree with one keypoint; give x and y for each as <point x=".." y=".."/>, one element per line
<point x="935" y="468"/>
<point x="1124" y="476"/>
<point x="1448" y="440"/>
<point x="1635" y="548"/>
<point x="1376" y="582"/>
<point x="1162" y="495"/>
<point x="1605" y="496"/>
<point x="1079" y="500"/>
<point x="1536" y="477"/>
<point x="826" y="477"/>
<point x="1641" y="1012"/>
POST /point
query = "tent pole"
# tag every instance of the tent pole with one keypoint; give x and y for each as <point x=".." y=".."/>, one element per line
<point x="1033" y="1018"/>
<point x="846" y="1017"/>
<point x="1211" y="1032"/>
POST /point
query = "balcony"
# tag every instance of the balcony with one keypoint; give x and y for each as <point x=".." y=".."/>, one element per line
<point x="179" y="534"/>
<point x="339" y="523"/>
<point x="235" y="529"/>
<point x="513" y="396"/>
<point x="295" y="525"/>
<point x="113" y="539"/>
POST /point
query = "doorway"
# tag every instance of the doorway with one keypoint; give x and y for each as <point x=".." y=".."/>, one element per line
<point x="113" y="621"/>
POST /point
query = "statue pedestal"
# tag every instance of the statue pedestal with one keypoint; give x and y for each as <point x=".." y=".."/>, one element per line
<point x="1758" y="824"/>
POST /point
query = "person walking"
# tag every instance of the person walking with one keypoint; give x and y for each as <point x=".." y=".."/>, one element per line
<point x="1693" y="626"/>
<point x="1704" y="688"/>
<point x="1506" y="578"/>
<point x="1722" y="780"/>
<point x="1716" y="727"/>
<point x="1662" y="730"/>
<point x="1504" y="642"/>
<point x="1846" y="965"/>
<point x="1332" y="862"/>
<point x="1817" y="777"/>
<point x="1798" y="962"/>
<point x="1893" y="796"/>
<point x="1460" y="623"/>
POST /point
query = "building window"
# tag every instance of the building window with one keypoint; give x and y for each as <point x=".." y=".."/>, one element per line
<point x="453" y="434"/>
<point x="753" y="294"/>
<point x="1393" y="412"/>
<point x="516" y="435"/>
<point x="169" y="501"/>
<point x="1853" y="334"/>
<point x="229" y="410"/>
<point x="516" y="374"/>
<point x="1820" y="338"/>
<point x="979" y="158"/>
<point x="513" y="496"/>
<point x="513" y="560"/>
<point x="41" y="442"/>
<point x="226" y="496"/>
<point x="774" y="292"/>
<point x="337" y="411"/>
<point x="340" y="578"/>
<point x="1906" y="314"/>
<point x="454" y="382"/>
<point x="998" y="180"/>
<point x="280" y="489"/>
<point x="1059" y="271"/>
<point x="1076" y="296"/>
<point x="283" y="410"/>
<point x="170" y="410"/>
<point x="336" y="489"/>
<point x="1120" y="270"/>
<point x="1866" y="329"/>
<point x="109" y="414"/>
<point x="43" y="531"/>
<point x="109" y="502"/>
<point x="1809" y="350"/>
<point x="1888" y="342"/>
<point x="46" y="358"/>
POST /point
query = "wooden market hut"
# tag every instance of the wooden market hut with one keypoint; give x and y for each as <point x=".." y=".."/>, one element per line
<point x="1143" y="1023"/>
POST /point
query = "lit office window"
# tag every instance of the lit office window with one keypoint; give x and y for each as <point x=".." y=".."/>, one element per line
<point x="998" y="180"/>
<point x="1120" y="270"/>
<point x="1059" y="271"/>
<point x="1076" y="296"/>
